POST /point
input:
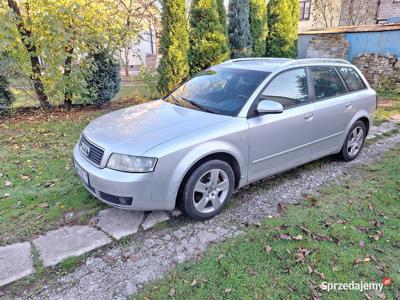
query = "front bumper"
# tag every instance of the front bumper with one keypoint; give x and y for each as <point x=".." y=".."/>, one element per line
<point x="120" y="189"/>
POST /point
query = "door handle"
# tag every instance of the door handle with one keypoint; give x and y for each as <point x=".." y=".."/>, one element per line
<point x="309" y="116"/>
<point x="349" y="106"/>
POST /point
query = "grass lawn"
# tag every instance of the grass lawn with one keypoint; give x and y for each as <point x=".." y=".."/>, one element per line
<point x="38" y="185"/>
<point x="350" y="232"/>
<point x="389" y="105"/>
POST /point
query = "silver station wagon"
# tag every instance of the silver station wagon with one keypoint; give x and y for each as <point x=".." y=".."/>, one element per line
<point x="229" y="126"/>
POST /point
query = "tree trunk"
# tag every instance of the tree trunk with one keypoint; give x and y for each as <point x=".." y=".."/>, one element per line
<point x="25" y="36"/>
<point x="67" y="73"/>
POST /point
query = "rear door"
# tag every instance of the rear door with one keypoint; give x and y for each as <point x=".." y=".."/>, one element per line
<point x="282" y="141"/>
<point x="334" y="109"/>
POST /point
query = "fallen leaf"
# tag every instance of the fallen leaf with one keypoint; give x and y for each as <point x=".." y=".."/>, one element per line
<point x="194" y="283"/>
<point x="267" y="248"/>
<point x="8" y="183"/>
<point x="251" y="271"/>
<point x="133" y="257"/>
<point x="310" y="270"/>
<point x="361" y="244"/>
<point x="301" y="255"/>
<point x="370" y="207"/>
<point x="109" y="259"/>
<point x="298" y="237"/>
<point x="381" y="295"/>
<point x="378" y="235"/>
<point x="320" y="274"/>
<point x="314" y="294"/>
<point x="227" y="290"/>
<point x="24" y="177"/>
<point x="367" y="259"/>
<point x="357" y="261"/>
<point x="220" y="257"/>
<point x="283" y="236"/>
<point x="44" y="205"/>
<point x="6" y="195"/>
<point x="171" y="292"/>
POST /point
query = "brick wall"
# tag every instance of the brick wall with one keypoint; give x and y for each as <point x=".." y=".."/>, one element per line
<point x="388" y="8"/>
<point x="328" y="46"/>
<point x="381" y="71"/>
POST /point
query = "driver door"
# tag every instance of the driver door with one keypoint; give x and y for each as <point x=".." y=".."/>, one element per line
<point x="282" y="141"/>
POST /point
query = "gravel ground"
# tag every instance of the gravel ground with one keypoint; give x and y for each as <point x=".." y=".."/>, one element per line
<point x="149" y="255"/>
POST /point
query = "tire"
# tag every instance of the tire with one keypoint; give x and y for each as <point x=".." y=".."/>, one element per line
<point x="207" y="190"/>
<point x="354" y="141"/>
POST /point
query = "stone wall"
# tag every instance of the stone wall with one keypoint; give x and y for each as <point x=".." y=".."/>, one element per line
<point x="381" y="71"/>
<point x="328" y="46"/>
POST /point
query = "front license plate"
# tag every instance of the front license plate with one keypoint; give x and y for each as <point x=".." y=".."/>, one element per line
<point x="82" y="173"/>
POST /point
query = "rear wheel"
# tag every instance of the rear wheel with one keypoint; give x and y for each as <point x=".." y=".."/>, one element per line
<point x="354" y="141"/>
<point x="207" y="190"/>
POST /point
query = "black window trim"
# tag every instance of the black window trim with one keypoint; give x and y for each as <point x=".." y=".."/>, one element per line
<point x="301" y="17"/>
<point x="348" y="89"/>
<point x="251" y="113"/>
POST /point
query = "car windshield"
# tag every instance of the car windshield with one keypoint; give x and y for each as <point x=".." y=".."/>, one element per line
<point x="218" y="90"/>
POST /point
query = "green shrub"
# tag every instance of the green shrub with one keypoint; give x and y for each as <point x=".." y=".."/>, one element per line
<point x="208" y="40"/>
<point x="103" y="80"/>
<point x="239" y="29"/>
<point x="174" y="65"/>
<point x="258" y="26"/>
<point x="283" y="20"/>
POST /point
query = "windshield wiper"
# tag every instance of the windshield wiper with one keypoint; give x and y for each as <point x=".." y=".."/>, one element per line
<point x="176" y="101"/>
<point x="203" y="108"/>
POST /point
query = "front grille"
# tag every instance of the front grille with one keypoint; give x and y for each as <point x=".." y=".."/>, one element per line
<point x="95" y="152"/>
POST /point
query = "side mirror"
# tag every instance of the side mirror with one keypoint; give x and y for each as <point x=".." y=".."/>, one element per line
<point x="269" y="107"/>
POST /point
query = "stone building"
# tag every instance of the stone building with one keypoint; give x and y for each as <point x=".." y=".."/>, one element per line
<point x="317" y="14"/>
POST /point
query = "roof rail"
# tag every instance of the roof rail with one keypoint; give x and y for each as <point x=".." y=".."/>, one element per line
<point x="256" y="58"/>
<point x="316" y="60"/>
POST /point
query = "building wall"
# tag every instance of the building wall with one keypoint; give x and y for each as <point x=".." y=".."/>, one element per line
<point x="368" y="11"/>
<point x="315" y="23"/>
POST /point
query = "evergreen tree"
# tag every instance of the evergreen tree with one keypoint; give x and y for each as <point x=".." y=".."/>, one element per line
<point x="239" y="28"/>
<point x="174" y="66"/>
<point x="283" y="21"/>
<point x="222" y="15"/>
<point x="258" y="25"/>
<point x="208" y="40"/>
<point x="103" y="80"/>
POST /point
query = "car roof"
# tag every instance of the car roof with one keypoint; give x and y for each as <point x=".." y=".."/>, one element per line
<point x="270" y="64"/>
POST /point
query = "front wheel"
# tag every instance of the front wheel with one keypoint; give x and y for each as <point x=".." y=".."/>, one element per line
<point x="207" y="190"/>
<point x="354" y="141"/>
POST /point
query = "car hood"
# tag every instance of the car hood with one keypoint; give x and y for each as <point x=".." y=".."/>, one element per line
<point x="137" y="129"/>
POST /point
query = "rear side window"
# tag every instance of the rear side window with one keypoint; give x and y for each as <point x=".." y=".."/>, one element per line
<point x="352" y="79"/>
<point x="288" y="88"/>
<point x="326" y="82"/>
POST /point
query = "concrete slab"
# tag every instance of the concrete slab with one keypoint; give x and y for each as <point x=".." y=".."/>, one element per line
<point x="65" y="242"/>
<point x="118" y="222"/>
<point x="15" y="262"/>
<point x="154" y="218"/>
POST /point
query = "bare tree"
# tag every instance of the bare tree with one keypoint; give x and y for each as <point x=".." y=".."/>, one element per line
<point x="326" y="12"/>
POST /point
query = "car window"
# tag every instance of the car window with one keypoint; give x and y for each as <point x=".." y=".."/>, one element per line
<point x="288" y="88"/>
<point x="221" y="90"/>
<point x="326" y="82"/>
<point x="352" y="79"/>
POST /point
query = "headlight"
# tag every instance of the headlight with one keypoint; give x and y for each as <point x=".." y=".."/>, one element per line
<point x="132" y="164"/>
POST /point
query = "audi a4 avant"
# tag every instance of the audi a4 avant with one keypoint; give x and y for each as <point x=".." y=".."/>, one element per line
<point x="229" y="126"/>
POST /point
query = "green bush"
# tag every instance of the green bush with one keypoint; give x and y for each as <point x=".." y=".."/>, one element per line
<point x="208" y="40"/>
<point x="222" y="15"/>
<point x="174" y="65"/>
<point x="6" y="97"/>
<point x="103" y="80"/>
<point x="258" y="26"/>
<point x="283" y="20"/>
<point x="239" y="29"/>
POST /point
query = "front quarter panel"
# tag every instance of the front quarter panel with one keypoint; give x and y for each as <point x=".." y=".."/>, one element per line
<point x="176" y="157"/>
